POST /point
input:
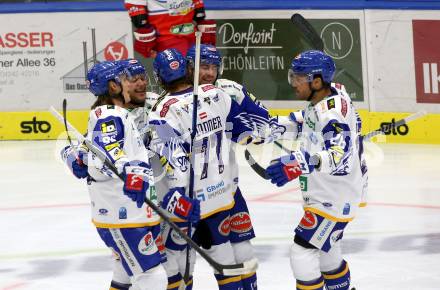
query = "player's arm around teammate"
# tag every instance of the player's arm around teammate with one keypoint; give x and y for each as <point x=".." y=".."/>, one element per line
<point x="123" y="221"/>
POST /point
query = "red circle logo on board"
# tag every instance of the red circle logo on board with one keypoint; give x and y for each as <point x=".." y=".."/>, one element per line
<point x="115" y="51"/>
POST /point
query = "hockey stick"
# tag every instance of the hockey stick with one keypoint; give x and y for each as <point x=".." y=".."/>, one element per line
<point x="261" y="171"/>
<point x="307" y="30"/>
<point x="227" y="270"/>
<point x="193" y="136"/>
<point x="67" y="131"/>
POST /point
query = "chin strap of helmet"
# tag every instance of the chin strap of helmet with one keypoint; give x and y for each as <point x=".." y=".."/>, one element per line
<point x="313" y="91"/>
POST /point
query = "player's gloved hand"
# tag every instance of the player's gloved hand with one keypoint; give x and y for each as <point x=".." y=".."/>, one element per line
<point x="137" y="13"/>
<point x="199" y="14"/>
<point x="283" y="170"/>
<point x="76" y="164"/>
<point x="136" y="184"/>
<point x="297" y="117"/>
<point x="209" y="31"/>
<point x="145" y="40"/>
<point x="181" y="206"/>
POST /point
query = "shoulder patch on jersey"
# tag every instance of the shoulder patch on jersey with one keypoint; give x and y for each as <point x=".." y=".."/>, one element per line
<point x="98" y="112"/>
<point x="331" y="104"/>
<point x="208" y="87"/>
<point x="166" y="107"/>
<point x="344" y="107"/>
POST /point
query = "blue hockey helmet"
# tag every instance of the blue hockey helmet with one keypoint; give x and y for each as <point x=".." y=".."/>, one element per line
<point x="169" y="65"/>
<point x="208" y="55"/>
<point x="132" y="67"/>
<point x="310" y="63"/>
<point x="99" y="76"/>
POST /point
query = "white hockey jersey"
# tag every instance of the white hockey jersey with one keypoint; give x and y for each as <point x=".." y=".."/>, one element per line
<point x="112" y="130"/>
<point x="171" y="122"/>
<point x="330" y="130"/>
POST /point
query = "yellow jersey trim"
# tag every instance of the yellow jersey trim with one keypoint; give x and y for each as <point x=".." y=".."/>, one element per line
<point x="124" y="226"/>
<point x="229" y="206"/>
<point x="328" y="216"/>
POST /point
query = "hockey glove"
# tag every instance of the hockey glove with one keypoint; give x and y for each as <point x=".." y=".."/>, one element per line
<point x="136" y="184"/>
<point x="199" y="14"/>
<point x="209" y="31"/>
<point x="283" y="170"/>
<point x="181" y="206"/>
<point x="138" y="14"/>
<point x="145" y="40"/>
<point x="77" y="165"/>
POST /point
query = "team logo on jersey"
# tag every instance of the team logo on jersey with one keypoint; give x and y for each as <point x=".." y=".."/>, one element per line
<point x="225" y="227"/>
<point x="309" y="220"/>
<point x="241" y="223"/>
<point x="147" y="245"/>
<point x="207" y="100"/>
<point x="108" y="127"/>
<point x="174" y="65"/>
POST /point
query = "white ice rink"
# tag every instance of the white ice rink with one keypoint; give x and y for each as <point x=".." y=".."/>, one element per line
<point x="48" y="242"/>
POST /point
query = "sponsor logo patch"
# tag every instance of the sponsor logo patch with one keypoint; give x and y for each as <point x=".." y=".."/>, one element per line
<point x="309" y="221"/>
<point x="166" y="107"/>
<point x="240" y="222"/>
<point x="147" y="246"/>
<point x="225" y="227"/>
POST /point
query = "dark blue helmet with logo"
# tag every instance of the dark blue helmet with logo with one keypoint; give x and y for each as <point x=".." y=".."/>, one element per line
<point x="208" y="55"/>
<point x="169" y="65"/>
<point x="313" y="62"/>
<point x="100" y="74"/>
<point x="132" y="67"/>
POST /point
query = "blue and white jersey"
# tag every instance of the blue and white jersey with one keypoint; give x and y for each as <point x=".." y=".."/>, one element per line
<point x="112" y="130"/>
<point x="219" y="120"/>
<point x="331" y="131"/>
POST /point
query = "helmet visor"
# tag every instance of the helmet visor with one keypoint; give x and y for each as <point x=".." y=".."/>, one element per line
<point x="296" y="79"/>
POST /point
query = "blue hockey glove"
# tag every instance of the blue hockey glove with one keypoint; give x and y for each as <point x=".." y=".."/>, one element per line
<point x="283" y="170"/>
<point x="289" y="167"/>
<point x="181" y="206"/>
<point x="136" y="174"/>
<point x="76" y="165"/>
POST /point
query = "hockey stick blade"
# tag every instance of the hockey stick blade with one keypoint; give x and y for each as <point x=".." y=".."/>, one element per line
<point x="226" y="270"/>
<point x="307" y="30"/>
<point x="254" y="165"/>
<point x="396" y="124"/>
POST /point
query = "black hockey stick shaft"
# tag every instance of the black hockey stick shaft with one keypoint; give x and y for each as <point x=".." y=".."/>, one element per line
<point x="307" y="30"/>
<point x="235" y="269"/>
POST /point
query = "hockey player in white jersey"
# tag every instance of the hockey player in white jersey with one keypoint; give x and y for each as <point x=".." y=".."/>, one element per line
<point x="241" y="231"/>
<point x="171" y="119"/>
<point x="329" y="167"/>
<point x="124" y="222"/>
